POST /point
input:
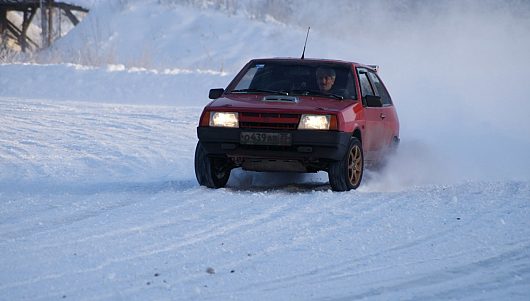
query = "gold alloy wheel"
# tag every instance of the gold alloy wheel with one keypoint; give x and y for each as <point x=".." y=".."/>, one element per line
<point x="355" y="162"/>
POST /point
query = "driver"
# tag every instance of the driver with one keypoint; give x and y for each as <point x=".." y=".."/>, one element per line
<point x="325" y="79"/>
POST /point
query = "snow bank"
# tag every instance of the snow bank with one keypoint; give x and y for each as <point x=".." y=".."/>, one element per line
<point x="112" y="83"/>
<point x="155" y="36"/>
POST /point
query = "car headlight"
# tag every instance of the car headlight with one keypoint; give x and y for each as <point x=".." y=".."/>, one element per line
<point x="224" y="119"/>
<point x="314" y="122"/>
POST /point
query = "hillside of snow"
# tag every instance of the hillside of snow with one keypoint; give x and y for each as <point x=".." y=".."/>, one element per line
<point x="98" y="197"/>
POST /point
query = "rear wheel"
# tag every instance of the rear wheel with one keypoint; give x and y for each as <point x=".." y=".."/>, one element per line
<point x="211" y="172"/>
<point x="395" y="145"/>
<point x="386" y="155"/>
<point x="347" y="173"/>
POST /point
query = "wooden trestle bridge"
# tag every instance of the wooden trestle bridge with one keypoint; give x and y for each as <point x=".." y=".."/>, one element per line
<point x="28" y="9"/>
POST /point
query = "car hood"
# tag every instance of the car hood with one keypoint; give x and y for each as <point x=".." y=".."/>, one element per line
<point x="279" y="103"/>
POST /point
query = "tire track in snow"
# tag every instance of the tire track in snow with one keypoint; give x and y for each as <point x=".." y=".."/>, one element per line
<point x="516" y="256"/>
<point x="343" y="269"/>
<point x="90" y="142"/>
<point x="71" y="218"/>
<point x="288" y="221"/>
<point x="189" y="239"/>
<point x="367" y="210"/>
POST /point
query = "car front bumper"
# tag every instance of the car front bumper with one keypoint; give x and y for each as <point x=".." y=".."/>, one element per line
<point x="305" y="144"/>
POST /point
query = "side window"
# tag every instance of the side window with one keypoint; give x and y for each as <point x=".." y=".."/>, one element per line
<point x="366" y="88"/>
<point x="380" y="89"/>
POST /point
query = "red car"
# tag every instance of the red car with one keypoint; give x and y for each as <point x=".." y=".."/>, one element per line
<point x="297" y="115"/>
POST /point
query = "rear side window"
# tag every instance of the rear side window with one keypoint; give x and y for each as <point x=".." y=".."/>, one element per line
<point x="380" y="89"/>
<point x="366" y="87"/>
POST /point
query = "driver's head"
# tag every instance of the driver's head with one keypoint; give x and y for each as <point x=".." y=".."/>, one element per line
<point x="325" y="78"/>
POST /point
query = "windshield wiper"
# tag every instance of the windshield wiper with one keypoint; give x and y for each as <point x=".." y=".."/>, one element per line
<point x="317" y="93"/>
<point x="259" y="91"/>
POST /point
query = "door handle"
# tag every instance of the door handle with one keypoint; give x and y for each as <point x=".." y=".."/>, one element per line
<point x="383" y="116"/>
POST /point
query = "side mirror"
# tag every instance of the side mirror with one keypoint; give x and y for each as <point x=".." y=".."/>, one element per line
<point x="373" y="101"/>
<point x="216" y="93"/>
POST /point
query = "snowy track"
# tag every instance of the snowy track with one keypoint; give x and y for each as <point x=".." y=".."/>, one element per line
<point x="99" y="202"/>
<point x="45" y="142"/>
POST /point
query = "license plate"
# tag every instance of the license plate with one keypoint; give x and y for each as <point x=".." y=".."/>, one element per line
<point x="259" y="138"/>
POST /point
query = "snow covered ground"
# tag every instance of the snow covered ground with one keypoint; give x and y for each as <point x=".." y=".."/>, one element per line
<point x="98" y="198"/>
<point x="99" y="202"/>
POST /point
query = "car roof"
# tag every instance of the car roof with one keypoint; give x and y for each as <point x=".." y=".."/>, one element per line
<point x="313" y="61"/>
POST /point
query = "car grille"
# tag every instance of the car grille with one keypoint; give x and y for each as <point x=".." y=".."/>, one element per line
<point x="268" y="121"/>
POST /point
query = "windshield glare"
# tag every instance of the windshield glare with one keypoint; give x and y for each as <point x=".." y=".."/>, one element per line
<point x="298" y="79"/>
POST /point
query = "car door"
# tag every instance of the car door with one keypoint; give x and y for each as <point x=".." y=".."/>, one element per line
<point x="388" y="112"/>
<point x="374" y="132"/>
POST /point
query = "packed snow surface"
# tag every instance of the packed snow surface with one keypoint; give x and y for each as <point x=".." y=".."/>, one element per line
<point x="98" y="197"/>
<point x="100" y="202"/>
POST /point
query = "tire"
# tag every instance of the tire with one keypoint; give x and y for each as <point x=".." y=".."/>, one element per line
<point x="386" y="156"/>
<point x="210" y="172"/>
<point x="395" y="145"/>
<point x="347" y="173"/>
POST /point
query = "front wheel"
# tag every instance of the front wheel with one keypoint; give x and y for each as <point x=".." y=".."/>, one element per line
<point x="210" y="172"/>
<point x="347" y="173"/>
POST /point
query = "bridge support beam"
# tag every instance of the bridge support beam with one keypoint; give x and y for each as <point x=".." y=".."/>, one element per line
<point x="28" y="9"/>
<point x="3" y="21"/>
<point x="28" y="17"/>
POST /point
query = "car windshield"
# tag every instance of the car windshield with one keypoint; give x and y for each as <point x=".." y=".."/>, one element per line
<point x="327" y="80"/>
